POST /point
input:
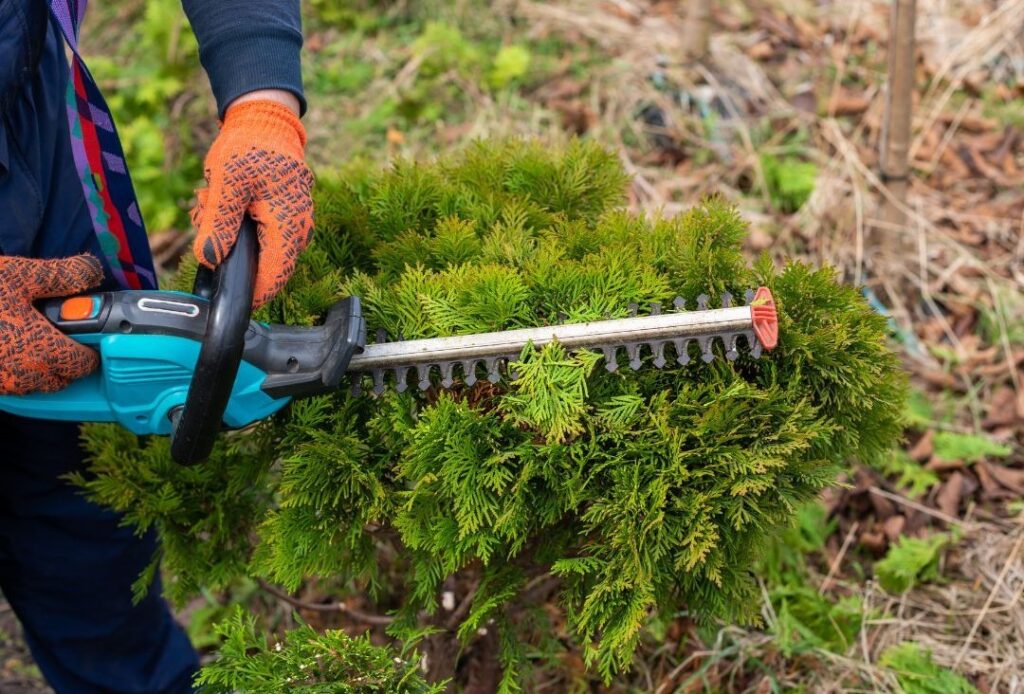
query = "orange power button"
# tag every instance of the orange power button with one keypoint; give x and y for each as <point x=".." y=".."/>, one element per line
<point x="79" y="308"/>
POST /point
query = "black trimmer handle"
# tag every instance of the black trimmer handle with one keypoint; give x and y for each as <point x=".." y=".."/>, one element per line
<point x="229" y="289"/>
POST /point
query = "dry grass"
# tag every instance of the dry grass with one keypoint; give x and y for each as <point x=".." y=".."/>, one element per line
<point x="974" y="623"/>
<point x="959" y="235"/>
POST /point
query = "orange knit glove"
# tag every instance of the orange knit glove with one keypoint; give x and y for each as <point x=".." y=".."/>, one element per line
<point x="34" y="355"/>
<point x="257" y="165"/>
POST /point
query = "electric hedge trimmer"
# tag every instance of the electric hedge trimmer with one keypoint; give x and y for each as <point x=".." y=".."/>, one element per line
<point x="187" y="365"/>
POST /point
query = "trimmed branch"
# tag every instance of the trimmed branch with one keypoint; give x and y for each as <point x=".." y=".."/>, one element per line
<point x="357" y="615"/>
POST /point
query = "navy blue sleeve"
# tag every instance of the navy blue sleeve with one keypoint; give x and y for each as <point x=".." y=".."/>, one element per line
<point x="246" y="45"/>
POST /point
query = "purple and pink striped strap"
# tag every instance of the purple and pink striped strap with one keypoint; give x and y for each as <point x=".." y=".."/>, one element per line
<point x="101" y="165"/>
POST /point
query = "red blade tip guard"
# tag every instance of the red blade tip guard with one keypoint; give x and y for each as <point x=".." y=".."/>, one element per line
<point x="765" y="318"/>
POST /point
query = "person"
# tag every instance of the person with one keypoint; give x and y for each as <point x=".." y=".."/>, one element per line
<point x="69" y="224"/>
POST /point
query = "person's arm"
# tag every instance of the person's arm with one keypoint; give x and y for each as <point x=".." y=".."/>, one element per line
<point x="250" y="50"/>
<point x="277" y="95"/>
<point x="249" y="45"/>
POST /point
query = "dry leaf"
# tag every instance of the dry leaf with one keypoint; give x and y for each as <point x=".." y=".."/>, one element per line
<point x="940" y="465"/>
<point x="948" y="498"/>
<point x="929" y="144"/>
<point x="953" y="165"/>
<point x="970" y="122"/>
<point x="762" y="50"/>
<point x="845" y="103"/>
<point x="759" y="239"/>
<point x="808" y="32"/>
<point x="630" y="14"/>
<point x="873" y="541"/>
<point x="923" y="449"/>
<point x="882" y="506"/>
<point x="780" y="26"/>
<point x="1010" y="478"/>
<point x="988" y="141"/>
<point x="395" y="137"/>
<point x="990" y="487"/>
<point x="564" y="88"/>
<point x="1002" y="409"/>
<point x="893" y="527"/>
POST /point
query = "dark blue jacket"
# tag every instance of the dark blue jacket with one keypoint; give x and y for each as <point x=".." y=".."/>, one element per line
<point x="244" y="45"/>
<point x="67" y="565"/>
<point x="247" y="45"/>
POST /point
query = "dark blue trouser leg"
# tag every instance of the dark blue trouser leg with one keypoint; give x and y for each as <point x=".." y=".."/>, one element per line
<point x="67" y="566"/>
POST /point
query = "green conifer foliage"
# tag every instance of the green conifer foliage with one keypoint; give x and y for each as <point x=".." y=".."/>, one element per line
<point x="318" y="663"/>
<point x="635" y="492"/>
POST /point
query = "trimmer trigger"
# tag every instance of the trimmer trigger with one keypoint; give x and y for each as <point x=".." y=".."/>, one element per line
<point x="81" y="308"/>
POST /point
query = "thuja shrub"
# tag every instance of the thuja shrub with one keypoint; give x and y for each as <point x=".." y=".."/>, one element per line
<point x="617" y="497"/>
<point x="330" y="662"/>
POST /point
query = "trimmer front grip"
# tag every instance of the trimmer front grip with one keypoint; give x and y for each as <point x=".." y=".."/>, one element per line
<point x="230" y="291"/>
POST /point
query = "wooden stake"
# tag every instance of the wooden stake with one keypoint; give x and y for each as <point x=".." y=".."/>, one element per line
<point x="697" y="29"/>
<point x="899" y="111"/>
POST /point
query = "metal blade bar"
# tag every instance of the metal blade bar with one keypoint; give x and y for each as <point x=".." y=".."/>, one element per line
<point x="637" y="336"/>
<point x="592" y="335"/>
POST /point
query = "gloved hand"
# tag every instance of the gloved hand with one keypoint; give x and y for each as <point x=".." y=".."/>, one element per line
<point x="34" y="355"/>
<point x="257" y="165"/>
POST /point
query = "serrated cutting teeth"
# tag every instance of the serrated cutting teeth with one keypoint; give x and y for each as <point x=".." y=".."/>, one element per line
<point x="469" y="371"/>
<point x="447" y="370"/>
<point x="731" y="344"/>
<point x="611" y="358"/>
<point x="682" y="351"/>
<point x="449" y="361"/>
<point x="633" y="350"/>
<point x="659" y="355"/>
